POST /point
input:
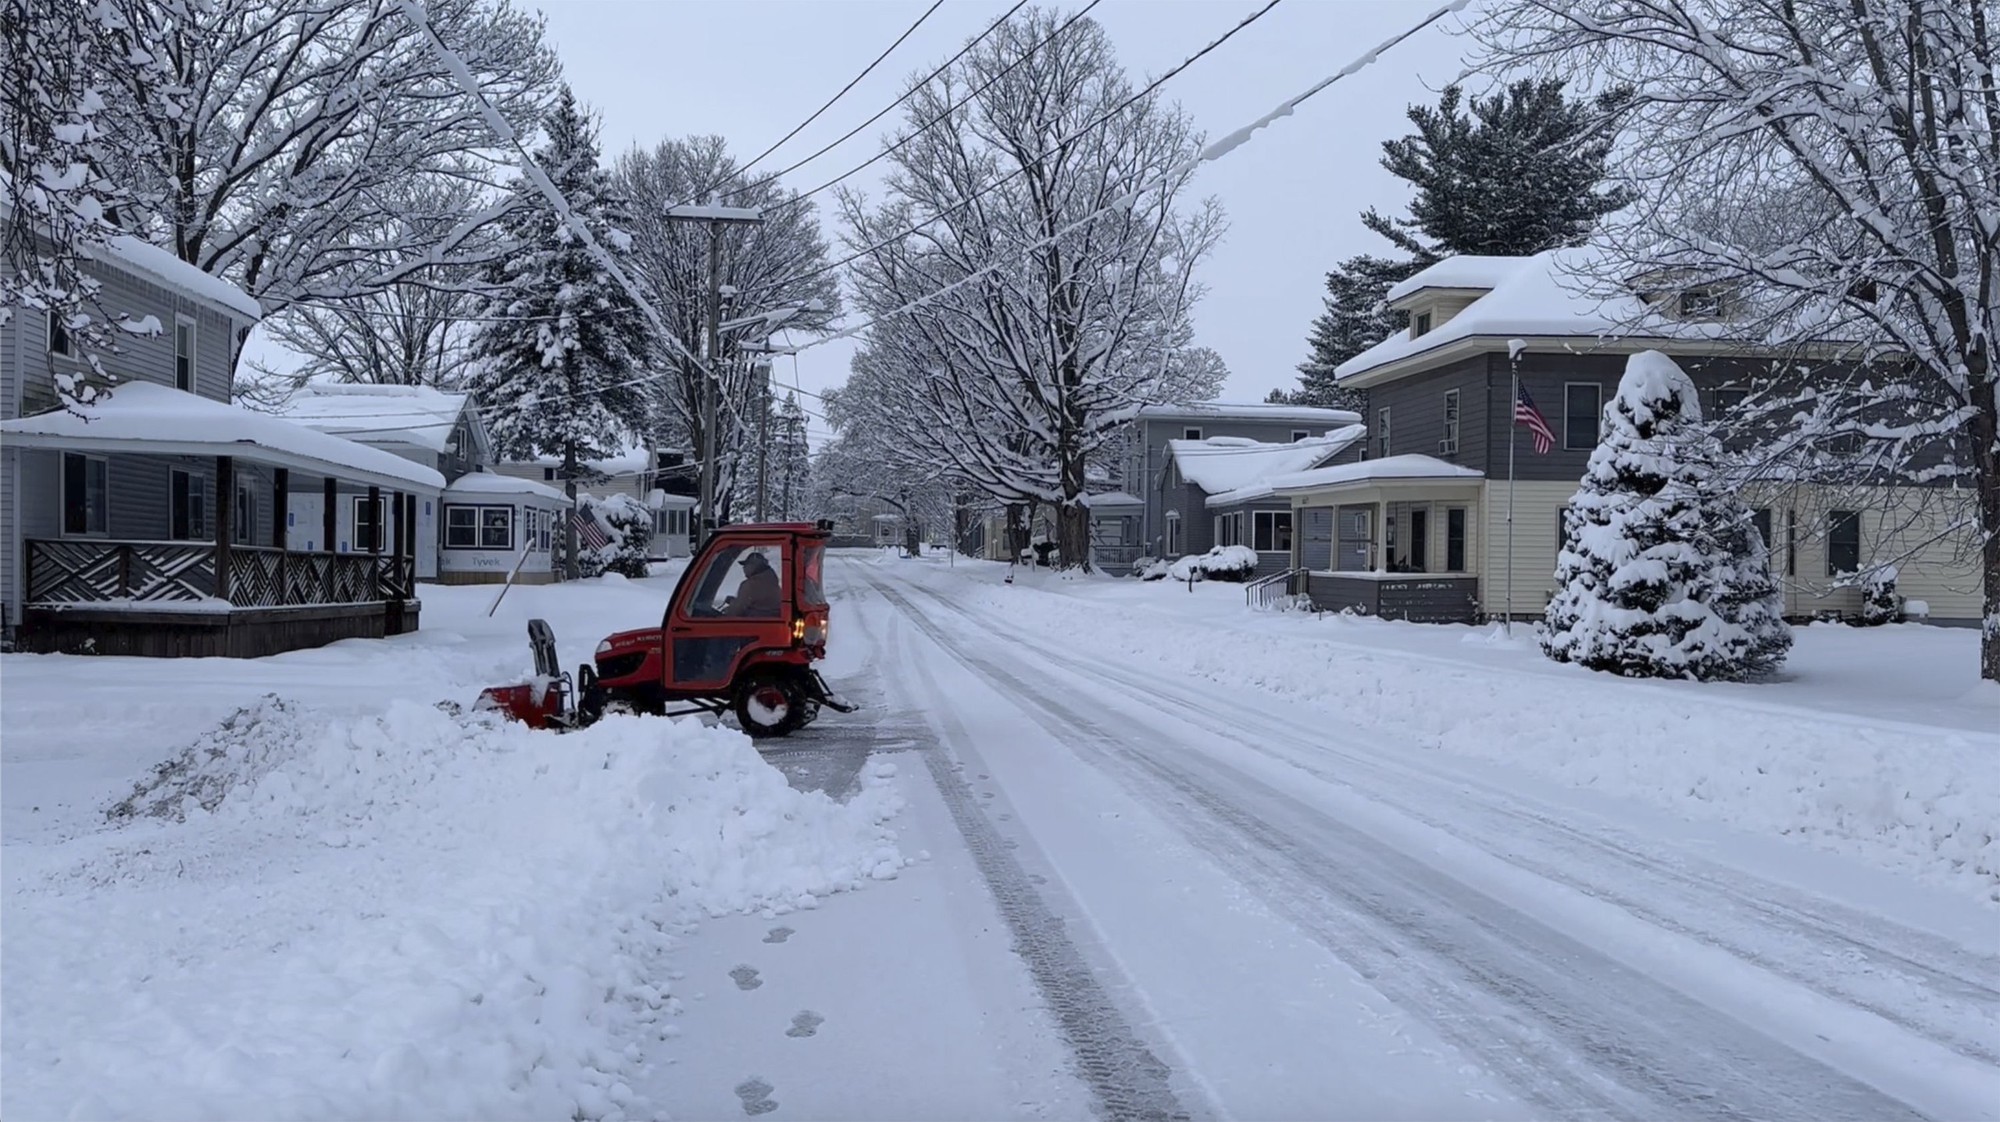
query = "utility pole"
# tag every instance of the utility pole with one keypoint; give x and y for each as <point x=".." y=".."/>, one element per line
<point x="716" y="217"/>
<point x="762" y="380"/>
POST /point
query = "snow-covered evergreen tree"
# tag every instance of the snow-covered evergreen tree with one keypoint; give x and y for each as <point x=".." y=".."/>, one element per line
<point x="565" y="341"/>
<point x="1510" y="175"/>
<point x="1663" y="574"/>
<point x="791" y="460"/>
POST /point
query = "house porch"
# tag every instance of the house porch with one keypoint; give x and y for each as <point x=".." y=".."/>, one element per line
<point x="1398" y="548"/>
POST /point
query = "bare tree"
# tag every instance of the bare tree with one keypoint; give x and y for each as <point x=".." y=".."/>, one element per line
<point x="1836" y="163"/>
<point x="778" y="263"/>
<point x="1016" y="375"/>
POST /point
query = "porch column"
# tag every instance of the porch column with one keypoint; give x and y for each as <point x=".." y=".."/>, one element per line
<point x="281" y="494"/>
<point x="374" y="519"/>
<point x="1380" y="561"/>
<point x="410" y="539"/>
<point x="225" y="502"/>
<point x="330" y="514"/>
<point x="396" y="516"/>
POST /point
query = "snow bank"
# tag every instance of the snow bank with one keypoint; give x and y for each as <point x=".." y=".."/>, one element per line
<point x="413" y="915"/>
<point x="1911" y="798"/>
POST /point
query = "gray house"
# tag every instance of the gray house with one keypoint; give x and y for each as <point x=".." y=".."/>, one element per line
<point x="1219" y="491"/>
<point x="1141" y="468"/>
<point x="1419" y="529"/>
<point x="154" y="521"/>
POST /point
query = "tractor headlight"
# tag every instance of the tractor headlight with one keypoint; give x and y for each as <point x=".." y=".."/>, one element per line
<point x="603" y="648"/>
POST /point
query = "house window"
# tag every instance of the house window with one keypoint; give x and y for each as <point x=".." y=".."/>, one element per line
<point x="1843" y="542"/>
<point x="545" y="530"/>
<point x="496" y="527"/>
<point x="1420" y="324"/>
<point x="1191" y="433"/>
<point x="1761" y="518"/>
<point x="548" y="475"/>
<point x="243" y="516"/>
<point x="1701" y="303"/>
<point x="368" y="520"/>
<point x="1300" y="434"/>
<point x="461" y="527"/>
<point x="59" y="342"/>
<point x="1729" y="401"/>
<point x="187" y="506"/>
<point x="184" y="354"/>
<point x="1273" y="530"/>
<point x="86" y="494"/>
<point x="1791" y="543"/>
<point x="1381" y="433"/>
<point x="1583" y="409"/>
<point x="1454" y="539"/>
<point x="1450" y="443"/>
<point x="1355" y="523"/>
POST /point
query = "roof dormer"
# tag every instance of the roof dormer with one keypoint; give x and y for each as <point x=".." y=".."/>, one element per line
<point x="1436" y="293"/>
<point x="1685" y="297"/>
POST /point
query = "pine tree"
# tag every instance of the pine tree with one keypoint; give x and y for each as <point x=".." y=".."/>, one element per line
<point x="791" y="459"/>
<point x="1664" y="574"/>
<point x="1509" y="175"/>
<point x="564" y="339"/>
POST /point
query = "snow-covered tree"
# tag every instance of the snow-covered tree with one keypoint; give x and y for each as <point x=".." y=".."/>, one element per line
<point x="60" y="180"/>
<point x="1833" y="165"/>
<point x="1016" y="376"/>
<point x="777" y="263"/>
<point x="1663" y="573"/>
<point x="1512" y="174"/>
<point x="275" y="142"/>
<point x="791" y="460"/>
<point x="562" y="344"/>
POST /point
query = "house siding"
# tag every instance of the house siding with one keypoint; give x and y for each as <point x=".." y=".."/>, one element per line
<point x="1141" y="472"/>
<point x="1417" y="410"/>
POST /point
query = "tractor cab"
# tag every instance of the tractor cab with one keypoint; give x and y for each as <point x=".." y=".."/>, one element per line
<point x="740" y="633"/>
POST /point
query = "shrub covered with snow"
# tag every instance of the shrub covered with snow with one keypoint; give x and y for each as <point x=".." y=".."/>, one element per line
<point x="629" y="522"/>
<point x="1225" y="562"/>
<point x="1880" y="602"/>
<point x="1664" y="573"/>
<point x="1151" y="568"/>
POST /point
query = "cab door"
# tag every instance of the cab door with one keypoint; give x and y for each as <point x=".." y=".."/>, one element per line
<point x="725" y="609"/>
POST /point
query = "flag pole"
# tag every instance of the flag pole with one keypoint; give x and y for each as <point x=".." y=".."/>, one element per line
<point x="1514" y="349"/>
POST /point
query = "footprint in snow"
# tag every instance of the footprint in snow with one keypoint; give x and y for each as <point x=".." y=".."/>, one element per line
<point x="746" y="977"/>
<point x="779" y="935"/>
<point x="756" y="1096"/>
<point x="805" y="1024"/>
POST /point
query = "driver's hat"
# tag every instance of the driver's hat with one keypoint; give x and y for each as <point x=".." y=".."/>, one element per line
<point x="753" y="557"/>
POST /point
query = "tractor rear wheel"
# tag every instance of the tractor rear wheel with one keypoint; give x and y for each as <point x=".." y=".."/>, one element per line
<point x="770" y="703"/>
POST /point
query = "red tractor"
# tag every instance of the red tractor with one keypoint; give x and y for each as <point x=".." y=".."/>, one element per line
<point x="745" y="624"/>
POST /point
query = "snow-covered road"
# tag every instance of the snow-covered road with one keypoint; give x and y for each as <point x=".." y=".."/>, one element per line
<point x="1237" y="906"/>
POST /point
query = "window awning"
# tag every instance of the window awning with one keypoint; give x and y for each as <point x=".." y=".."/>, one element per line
<point x="142" y="418"/>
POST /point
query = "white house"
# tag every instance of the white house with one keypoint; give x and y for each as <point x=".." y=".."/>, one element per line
<point x="495" y="525"/>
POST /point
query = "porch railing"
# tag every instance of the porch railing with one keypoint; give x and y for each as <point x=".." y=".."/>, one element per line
<point x="1266" y="593"/>
<point x="88" y="571"/>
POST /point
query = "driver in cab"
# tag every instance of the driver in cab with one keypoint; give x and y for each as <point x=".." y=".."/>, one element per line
<point x="759" y="595"/>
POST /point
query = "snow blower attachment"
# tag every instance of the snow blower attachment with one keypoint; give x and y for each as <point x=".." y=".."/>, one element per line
<point x="745" y="624"/>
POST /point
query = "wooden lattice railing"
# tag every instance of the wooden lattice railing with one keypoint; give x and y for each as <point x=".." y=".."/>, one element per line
<point x="86" y="571"/>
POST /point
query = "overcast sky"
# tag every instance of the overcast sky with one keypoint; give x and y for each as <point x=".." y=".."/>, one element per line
<point x="752" y="69"/>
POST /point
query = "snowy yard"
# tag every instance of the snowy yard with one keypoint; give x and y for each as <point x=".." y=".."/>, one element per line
<point x="1119" y="843"/>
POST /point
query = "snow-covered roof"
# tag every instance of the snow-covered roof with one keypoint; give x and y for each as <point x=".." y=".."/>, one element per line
<point x="488" y="483"/>
<point x="1248" y="411"/>
<point x="1374" y="471"/>
<point x="1550" y="294"/>
<point x="145" y="257"/>
<point x="1232" y="469"/>
<point x="1467" y="270"/>
<point x="144" y="417"/>
<point x="630" y="459"/>
<point x="416" y="415"/>
<point x="660" y="499"/>
<point x="1106" y="499"/>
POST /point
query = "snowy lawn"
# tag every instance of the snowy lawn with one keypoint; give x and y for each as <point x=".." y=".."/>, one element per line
<point x="1877" y="742"/>
<point x="351" y="904"/>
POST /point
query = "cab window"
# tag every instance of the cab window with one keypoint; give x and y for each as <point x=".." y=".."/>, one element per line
<point x="745" y="581"/>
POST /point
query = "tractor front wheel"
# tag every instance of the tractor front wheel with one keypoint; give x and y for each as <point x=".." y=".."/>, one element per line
<point x="770" y="704"/>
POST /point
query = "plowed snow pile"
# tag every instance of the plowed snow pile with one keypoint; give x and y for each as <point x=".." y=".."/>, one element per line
<point x="410" y="916"/>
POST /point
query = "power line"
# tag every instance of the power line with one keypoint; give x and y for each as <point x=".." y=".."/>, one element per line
<point x="1213" y="152"/>
<point x="885" y="111"/>
<point x="865" y="71"/>
<point x="1072" y="137"/>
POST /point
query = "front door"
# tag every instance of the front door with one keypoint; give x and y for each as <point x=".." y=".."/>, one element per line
<point x="737" y="600"/>
<point x="1420" y="539"/>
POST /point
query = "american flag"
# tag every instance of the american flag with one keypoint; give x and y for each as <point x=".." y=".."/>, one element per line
<point x="588" y="531"/>
<point x="1525" y="413"/>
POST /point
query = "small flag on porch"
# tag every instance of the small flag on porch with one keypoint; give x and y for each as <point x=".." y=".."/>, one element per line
<point x="1525" y="413"/>
<point x="588" y="531"/>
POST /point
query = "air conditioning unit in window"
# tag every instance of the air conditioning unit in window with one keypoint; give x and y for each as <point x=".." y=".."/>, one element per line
<point x="1447" y="447"/>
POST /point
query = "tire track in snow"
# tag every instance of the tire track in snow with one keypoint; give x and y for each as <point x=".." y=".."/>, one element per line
<point x="1849" y="951"/>
<point x="1126" y="1078"/>
<point x="1574" y="1030"/>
